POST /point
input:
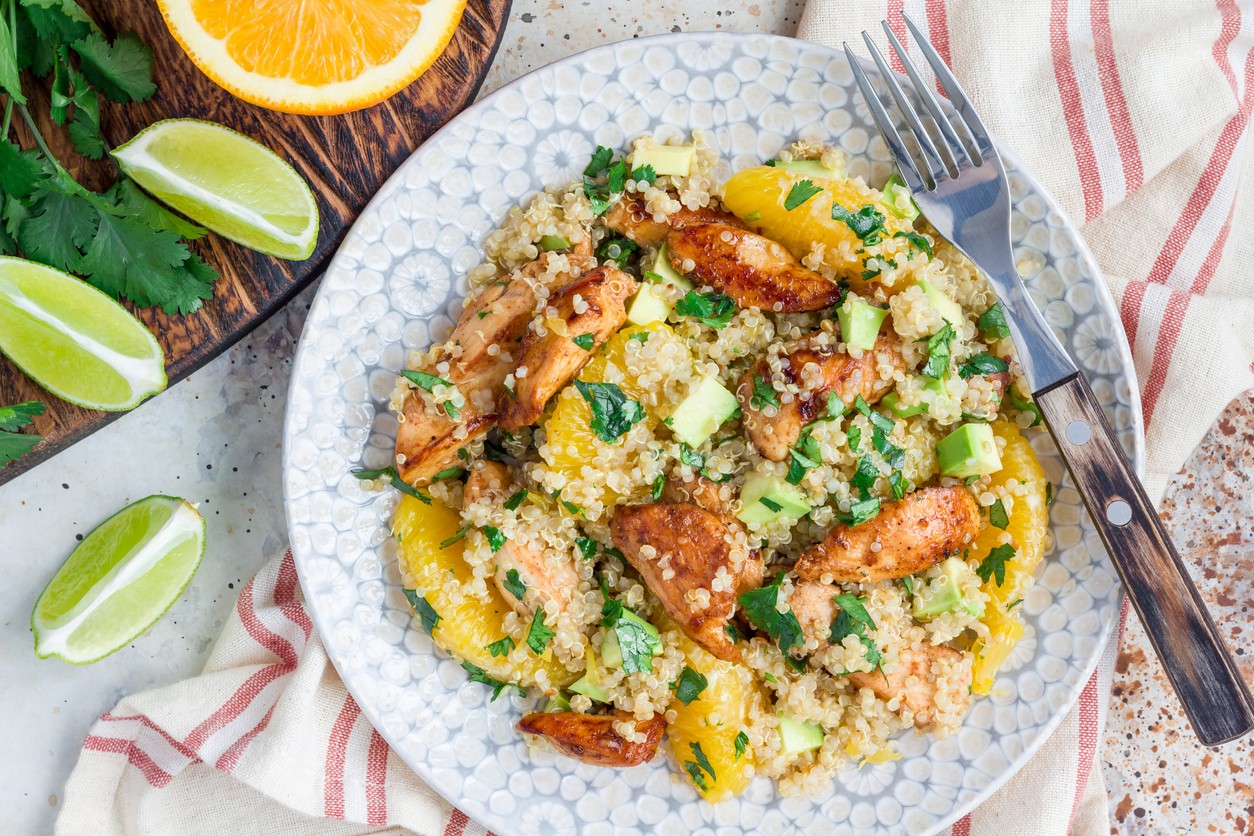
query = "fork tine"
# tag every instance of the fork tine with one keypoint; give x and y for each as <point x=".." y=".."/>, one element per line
<point x="952" y="149"/>
<point x="905" y="161"/>
<point x="973" y="124"/>
<point x="936" y="166"/>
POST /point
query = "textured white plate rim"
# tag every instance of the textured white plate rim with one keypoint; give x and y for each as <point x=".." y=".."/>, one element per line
<point x="1083" y="254"/>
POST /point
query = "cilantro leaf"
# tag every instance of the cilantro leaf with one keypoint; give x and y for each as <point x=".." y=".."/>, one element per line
<point x="860" y="512"/>
<point x="916" y="240"/>
<point x="644" y="174"/>
<point x="538" y="634"/>
<point x="771" y="504"/>
<point x="741" y="743"/>
<point x="701" y="764"/>
<point x="982" y="363"/>
<point x="121" y="70"/>
<point x="800" y="192"/>
<point x="495" y="538"/>
<point x="600" y="203"/>
<point x="613" y="414"/>
<point x="881" y="422"/>
<point x="429" y="618"/>
<point x="867" y="223"/>
<point x="698" y="777"/>
<point x="763" y="393"/>
<point x="22" y="173"/>
<point x="56" y="228"/>
<point x="636" y="644"/>
<point x="19" y="415"/>
<point x="133" y="201"/>
<point x="617" y="177"/>
<point x="514" y="584"/>
<point x="15" y="445"/>
<point x="997" y="515"/>
<point x="690" y="457"/>
<point x="584" y="341"/>
<point x="659" y="485"/>
<point x="892" y="454"/>
<point x="423" y="380"/>
<point x="994" y="566"/>
<point x="689" y="685"/>
<point x="501" y="647"/>
<point x="854" y="435"/>
<point x="854" y="620"/>
<point x="759" y="608"/>
<point x="713" y="309"/>
<point x="587" y="547"/>
<point x="600" y="161"/>
<point x="448" y="473"/>
<point x="937" y="365"/>
<point x="456" y="536"/>
<point x="897" y="483"/>
<point x="478" y="674"/>
<point x="864" y="477"/>
<point x="395" y="480"/>
<point x="993" y="322"/>
<point x="618" y="250"/>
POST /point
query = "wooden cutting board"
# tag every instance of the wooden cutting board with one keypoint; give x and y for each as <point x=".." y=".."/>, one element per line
<point x="345" y="158"/>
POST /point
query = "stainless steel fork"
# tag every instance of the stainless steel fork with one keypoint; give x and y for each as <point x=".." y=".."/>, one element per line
<point x="959" y="183"/>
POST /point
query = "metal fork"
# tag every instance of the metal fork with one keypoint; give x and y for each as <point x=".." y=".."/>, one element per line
<point x="960" y="185"/>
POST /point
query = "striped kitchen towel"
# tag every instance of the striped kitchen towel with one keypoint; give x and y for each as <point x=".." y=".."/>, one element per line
<point x="1135" y="115"/>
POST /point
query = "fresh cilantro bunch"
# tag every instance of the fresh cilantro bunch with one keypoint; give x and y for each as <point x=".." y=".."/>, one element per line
<point x="13" y="443"/>
<point x="119" y="239"/>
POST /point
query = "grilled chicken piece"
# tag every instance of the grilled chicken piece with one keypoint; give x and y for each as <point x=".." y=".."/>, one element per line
<point x="429" y="443"/>
<point x="630" y="218"/>
<point x="591" y="737"/>
<point x="752" y="269"/>
<point x="550" y="577"/>
<point x="695" y="545"/>
<point x="836" y="372"/>
<point x="553" y="359"/>
<point x="705" y="494"/>
<point x="905" y="538"/>
<point x="811" y="602"/>
<point x="914" y="682"/>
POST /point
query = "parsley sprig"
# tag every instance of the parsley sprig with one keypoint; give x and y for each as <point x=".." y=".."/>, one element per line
<point x="759" y="607"/>
<point x="854" y="620"/>
<point x="118" y="239"/>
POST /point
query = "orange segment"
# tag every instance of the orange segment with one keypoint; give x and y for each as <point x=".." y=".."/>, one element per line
<point x="1029" y="520"/>
<point x="324" y="56"/>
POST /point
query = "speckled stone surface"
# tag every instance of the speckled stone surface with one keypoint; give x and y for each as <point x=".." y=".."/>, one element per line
<point x="1160" y="779"/>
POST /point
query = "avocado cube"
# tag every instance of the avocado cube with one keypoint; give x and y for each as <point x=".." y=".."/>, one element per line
<point x="673" y="160"/>
<point x="811" y="168"/>
<point x="707" y="406"/>
<point x="590" y="688"/>
<point x="898" y="199"/>
<point x="949" y="310"/>
<point x="944" y="593"/>
<point x="559" y="702"/>
<point x="860" y="322"/>
<point x="612" y="653"/>
<point x="892" y="401"/>
<point x="647" y="306"/>
<point x="767" y="497"/>
<point x="662" y="267"/>
<point x="797" y="735"/>
<point x="970" y="450"/>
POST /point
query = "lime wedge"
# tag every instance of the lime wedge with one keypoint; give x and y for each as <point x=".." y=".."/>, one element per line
<point x="75" y="341"/>
<point x="124" y="575"/>
<point x="225" y="181"/>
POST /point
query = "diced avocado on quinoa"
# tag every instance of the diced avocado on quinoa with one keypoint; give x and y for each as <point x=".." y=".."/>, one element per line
<point x="811" y="168"/>
<point x="611" y="651"/>
<point x="700" y="414"/>
<point x="970" y="450"/>
<point x="766" y="498"/>
<point x="945" y="593"/>
<point x="649" y="305"/>
<point x="860" y="322"/>
<point x="937" y="386"/>
<point x="899" y="200"/>
<point x="666" y="160"/>
<point x="949" y="310"/>
<point x="797" y="736"/>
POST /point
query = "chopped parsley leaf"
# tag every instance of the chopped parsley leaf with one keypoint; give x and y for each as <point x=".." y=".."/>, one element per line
<point x="741" y="743"/>
<point x="854" y="620"/>
<point x="514" y="584"/>
<point x="617" y="177"/>
<point x="423" y="380"/>
<point x="697" y="776"/>
<point x="733" y="632"/>
<point x="689" y="685"/>
<point x="798" y="665"/>
<point x="1027" y="406"/>
<point x="427" y="616"/>
<point x="835" y="406"/>
<point x="897" y="483"/>
<point x="451" y="410"/>
<point x="478" y="674"/>
<point x="596" y="197"/>
<point x="1016" y="602"/>
<point x="644" y="174"/>
<point x="937" y="365"/>
<point x="461" y="532"/>
<point x="395" y="480"/>
<point x="801" y="191"/>
<point x="495" y="538"/>
<point x="447" y="473"/>
<point x="482" y="314"/>
<point x="994" y="566"/>
<point x="763" y="393"/>
<point x="618" y="250"/>
<point x="854" y="435"/>
<point x="804" y="455"/>
<point x="690" y="457"/>
<point x="860" y="512"/>
<point x="613" y="413"/>
<point x="916" y="240"/>
<point x="587" y="547"/>
<point x="501" y="647"/>
<point x="867" y="223"/>
<point x="538" y="635"/>
<point x="993" y="322"/>
<point x="997" y="515"/>
<point x="600" y="161"/>
<point x="641" y="336"/>
<point x="636" y="644"/>
<point x="771" y="504"/>
<point x="893" y="455"/>
<point x="702" y="763"/>
<point x="982" y="363"/>
<point x="584" y="341"/>
<point x="881" y="422"/>
<point x="713" y="309"/>
<point x="759" y="607"/>
<point x="659" y="485"/>
<point x="908" y="583"/>
<point x="864" y="477"/>
<point x="514" y="501"/>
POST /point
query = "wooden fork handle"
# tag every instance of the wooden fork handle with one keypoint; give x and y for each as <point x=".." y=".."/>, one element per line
<point x="1201" y="669"/>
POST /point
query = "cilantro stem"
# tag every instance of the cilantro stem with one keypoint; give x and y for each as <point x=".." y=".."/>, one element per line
<point x="8" y="104"/>
<point x="8" y="117"/>
<point x="39" y="139"/>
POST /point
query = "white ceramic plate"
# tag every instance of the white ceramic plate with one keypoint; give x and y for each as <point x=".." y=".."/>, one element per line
<point x="397" y="283"/>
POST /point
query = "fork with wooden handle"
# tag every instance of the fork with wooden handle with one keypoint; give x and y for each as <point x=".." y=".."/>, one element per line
<point x="960" y="185"/>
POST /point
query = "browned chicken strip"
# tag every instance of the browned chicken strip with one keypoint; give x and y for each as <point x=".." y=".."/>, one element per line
<point x="549" y="577"/>
<point x="689" y="547"/>
<point x="591" y="737"/>
<point x="591" y="304"/>
<point x="815" y="364"/>
<point x="750" y="268"/>
<point x="705" y="494"/>
<point x="630" y="218"/>
<point x="905" y="538"/>
<point x="915" y="683"/>
<point x="428" y="443"/>
<point x="811" y="602"/>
